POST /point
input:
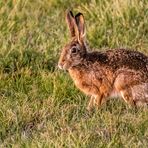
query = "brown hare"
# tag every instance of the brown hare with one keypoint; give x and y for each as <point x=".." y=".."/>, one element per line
<point x="101" y="74"/>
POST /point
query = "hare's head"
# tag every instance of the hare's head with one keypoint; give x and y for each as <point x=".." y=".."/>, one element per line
<point x="74" y="52"/>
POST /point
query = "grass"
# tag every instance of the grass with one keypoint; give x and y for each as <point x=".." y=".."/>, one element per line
<point x="39" y="104"/>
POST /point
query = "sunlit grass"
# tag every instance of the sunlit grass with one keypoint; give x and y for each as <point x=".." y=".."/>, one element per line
<point x="39" y="104"/>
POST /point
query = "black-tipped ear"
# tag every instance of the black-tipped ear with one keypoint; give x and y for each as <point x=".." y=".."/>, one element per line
<point x="71" y="23"/>
<point x="81" y="24"/>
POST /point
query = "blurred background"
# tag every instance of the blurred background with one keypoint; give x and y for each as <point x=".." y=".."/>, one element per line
<point x="39" y="105"/>
<point x="38" y="27"/>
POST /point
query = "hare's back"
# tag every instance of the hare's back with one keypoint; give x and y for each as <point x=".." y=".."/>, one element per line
<point x="123" y="58"/>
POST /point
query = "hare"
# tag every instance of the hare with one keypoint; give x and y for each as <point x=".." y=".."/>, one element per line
<point x="101" y="74"/>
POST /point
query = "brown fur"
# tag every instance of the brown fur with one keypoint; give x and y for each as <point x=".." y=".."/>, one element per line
<point x="98" y="74"/>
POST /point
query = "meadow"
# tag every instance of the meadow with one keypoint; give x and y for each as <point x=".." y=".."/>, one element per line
<point x="39" y="104"/>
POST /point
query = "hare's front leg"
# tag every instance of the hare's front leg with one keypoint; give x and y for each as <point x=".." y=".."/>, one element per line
<point x="95" y="101"/>
<point x="91" y="103"/>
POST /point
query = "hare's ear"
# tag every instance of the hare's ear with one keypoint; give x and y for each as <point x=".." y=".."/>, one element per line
<point x="72" y="24"/>
<point x="81" y="25"/>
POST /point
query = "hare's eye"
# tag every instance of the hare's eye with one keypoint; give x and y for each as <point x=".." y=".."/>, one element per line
<point x="74" y="50"/>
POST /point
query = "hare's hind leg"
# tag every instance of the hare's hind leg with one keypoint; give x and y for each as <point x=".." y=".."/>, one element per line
<point x="127" y="96"/>
<point x="123" y="86"/>
<point x="140" y="94"/>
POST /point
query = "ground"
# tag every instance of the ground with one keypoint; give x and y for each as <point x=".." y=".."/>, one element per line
<point x="39" y="104"/>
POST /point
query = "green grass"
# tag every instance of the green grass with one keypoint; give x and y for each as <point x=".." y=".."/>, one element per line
<point x="39" y="104"/>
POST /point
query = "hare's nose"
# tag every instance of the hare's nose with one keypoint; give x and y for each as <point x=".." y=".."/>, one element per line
<point x="60" y="66"/>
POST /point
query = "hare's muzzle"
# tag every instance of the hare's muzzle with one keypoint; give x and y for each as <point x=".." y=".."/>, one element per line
<point x="63" y="66"/>
<point x="60" y="65"/>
